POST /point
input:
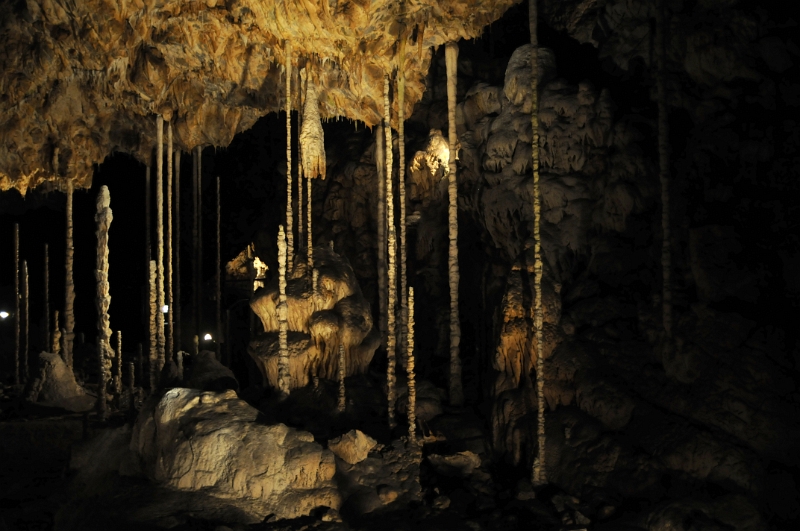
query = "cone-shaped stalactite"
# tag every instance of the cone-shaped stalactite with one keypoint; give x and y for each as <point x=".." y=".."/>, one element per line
<point x="412" y="386"/>
<point x="456" y="391"/>
<point x="391" y="338"/>
<point x="219" y="277"/>
<point x="342" y="397"/>
<point x="46" y="299"/>
<point x="539" y="476"/>
<point x="17" y="314"/>
<point x="26" y="307"/>
<point x="401" y="189"/>
<point x="380" y="162"/>
<point x="160" y="239"/>
<point x="288" y="109"/>
<point x="152" y="351"/>
<point x="177" y="222"/>
<point x="69" y="285"/>
<point x="663" y="170"/>
<point x="283" y="322"/>
<point x="170" y="280"/>
<point x="103" y="218"/>
<point x="118" y="366"/>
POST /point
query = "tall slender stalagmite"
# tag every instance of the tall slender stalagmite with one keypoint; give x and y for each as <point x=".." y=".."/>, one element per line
<point x="401" y="185"/>
<point x="391" y="337"/>
<point x="26" y="309"/>
<point x="118" y="366"/>
<point x="380" y="162"/>
<point x="148" y="250"/>
<point x="46" y="297"/>
<point x="199" y="279"/>
<point x="131" y="384"/>
<point x="103" y="218"/>
<point x="456" y="391"/>
<point x="140" y="365"/>
<point x="539" y="473"/>
<point x="195" y="295"/>
<point x="288" y="108"/>
<point x="177" y="301"/>
<point x="342" y="403"/>
<point x="663" y="170"/>
<point x="160" y="238"/>
<point x="55" y="345"/>
<point x="152" y="353"/>
<point x="283" y="324"/>
<point x="300" y="211"/>
<point x="219" y="279"/>
<point x="412" y="386"/>
<point x="310" y="244"/>
<point x="69" y="285"/>
<point x="170" y="327"/>
<point x="17" y="313"/>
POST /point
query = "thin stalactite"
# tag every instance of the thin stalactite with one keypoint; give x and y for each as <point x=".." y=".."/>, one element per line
<point x="456" y="390"/>
<point x="103" y="218"/>
<point x="17" y="314"/>
<point x="391" y="338"/>
<point x="160" y="239"/>
<point x="69" y="285"/>
<point x="177" y="222"/>
<point x="170" y="280"/>
<point x="46" y="299"/>
<point x="283" y="331"/>
<point x="288" y="110"/>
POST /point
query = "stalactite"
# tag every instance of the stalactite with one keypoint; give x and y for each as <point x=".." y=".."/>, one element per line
<point x="412" y="386"/>
<point x="288" y="109"/>
<point x="160" y="239"/>
<point x="152" y="356"/>
<point x="663" y="171"/>
<point x="177" y="302"/>
<point x="118" y="366"/>
<point x="391" y="338"/>
<point x="456" y="391"/>
<point x="103" y="218"/>
<point x="169" y="280"/>
<point x="26" y="307"/>
<point x="342" y="404"/>
<point x="219" y="277"/>
<point x="539" y="473"/>
<point x="17" y="314"/>
<point x="55" y="345"/>
<point x="69" y="285"/>
<point x="401" y="184"/>
<point x="46" y="297"/>
<point x="381" y="228"/>
<point x="283" y="332"/>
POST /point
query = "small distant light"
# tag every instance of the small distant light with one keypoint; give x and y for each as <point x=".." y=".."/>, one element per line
<point x="165" y="308"/>
<point x="207" y="337"/>
<point x="4" y="315"/>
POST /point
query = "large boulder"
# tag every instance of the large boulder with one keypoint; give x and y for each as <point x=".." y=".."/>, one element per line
<point x="210" y="442"/>
<point x="55" y="385"/>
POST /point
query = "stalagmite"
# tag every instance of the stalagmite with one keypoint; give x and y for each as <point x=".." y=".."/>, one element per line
<point x="381" y="226"/>
<point x="288" y="108"/>
<point x="179" y="363"/>
<point x="401" y="185"/>
<point x="55" y="345"/>
<point x="309" y="235"/>
<point x="140" y="365"/>
<point x="69" y="285"/>
<point x="300" y="211"/>
<point x="170" y="327"/>
<point x="199" y="279"/>
<point x="26" y="306"/>
<point x="412" y="387"/>
<point x="196" y="345"/>
<point x="17" y="314"/>
<point x="312" y="139"/>
<point x="46" y="297"/>
<point x="219" y="279"/>
<point x="663" y="170"/>
<point x="118" y="366"/>
<point x="148" y="250"/>
<point x="131" y="385"/>
<point x="103" y="218"/>
<point x="391" y="338"/>
<point x="342" y="404"/>
<point x="160" y="238"/>
<point x="283" y="332"/>
<point x="177" y="301"/>
<point x="195" y="265"/>
<point x="456" y="391"/>
<point x="152" y="353"/>
<point x="539" y="475"/>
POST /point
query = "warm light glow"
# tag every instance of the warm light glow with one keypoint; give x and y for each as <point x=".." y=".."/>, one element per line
<point x="165" y="308"/>
<point x="3" y="315"/>
<point x="207" y="337"/>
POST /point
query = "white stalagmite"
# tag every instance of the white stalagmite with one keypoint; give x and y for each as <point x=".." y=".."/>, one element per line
<point x="160" y="239"/>
<point x="309" y="234"/>
<point x="391" y="338"/>
<point x="283" y="331"/>
<point x="401" y="185"/>
<point x="69" y="285"/>
<point x="539" y="475"/>
<point x="380" y="162"/>
<point x="55" y="345"/>
<point x="342" y="404"/>
<point x="152" y="354"/>
<point x="412" y="386"/>
<point x="103" y="218"/>
<point x="300" y="219"/>
<point x="170" y="280"/>
<point x="288" y="109"/>
<point x="312" y="140"/>
<point x="456" y="391"/>
<point x="17" y="313"/>
<point x="46" y="312"/>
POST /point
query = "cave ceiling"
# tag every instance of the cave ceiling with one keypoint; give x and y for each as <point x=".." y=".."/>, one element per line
<point x="80" y="79"/>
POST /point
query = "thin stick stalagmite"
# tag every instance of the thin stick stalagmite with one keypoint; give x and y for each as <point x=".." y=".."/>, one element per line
<point x="103" y="218"/>
<point x="55" y="345"/>
<point x="118" y="366"/>
<point x="26" y="306"/>
<point x="380" y="162"/>
<point x="160" y="239"/>
<point x="177" y="301"/>
<point x="456" y="391"/>
<point x="539" y="475"/>
<point x="342" y="404"/>
<point x="310" y="244"/>
<point x="152" y="353"/>
<point x="412" y="387"/>
<point x="401" y="185"/>
<point x="195" y="269"/>
<point x="16" y="305"/>
<point x="46" y="297"/>
<point x="148" y="254"/>
<point x="288" y="109"/>
<point x="170" y="281"/>
<point x="69" y="285"/>
<point x="219" y="278"/>
<point x="391" y="338"/>
<point x="283" y="330"/>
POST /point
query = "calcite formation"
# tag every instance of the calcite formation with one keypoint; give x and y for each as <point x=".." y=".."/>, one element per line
<point x="80" y="80"/>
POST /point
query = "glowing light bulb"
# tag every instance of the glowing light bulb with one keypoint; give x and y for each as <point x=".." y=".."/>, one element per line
<point x="207" y="337"/>
<point x="165" y="308"/>
<point x="4" y="315"/>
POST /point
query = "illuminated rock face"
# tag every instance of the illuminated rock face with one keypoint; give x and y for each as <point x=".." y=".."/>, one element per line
<point x="81" y="80"/>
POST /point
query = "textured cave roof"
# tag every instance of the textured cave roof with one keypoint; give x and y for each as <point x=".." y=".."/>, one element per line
<point x="81" y="79"/>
